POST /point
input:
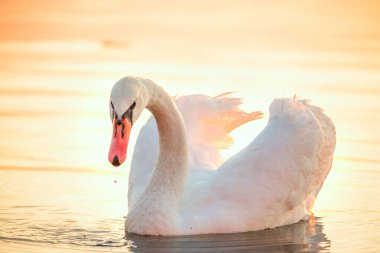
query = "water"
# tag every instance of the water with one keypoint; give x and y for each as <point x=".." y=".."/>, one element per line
<point x="57" y="209"/>
<point x="58" y="63"/>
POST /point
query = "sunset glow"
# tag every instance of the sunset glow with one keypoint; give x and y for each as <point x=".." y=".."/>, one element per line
<point x="59" y="61"/>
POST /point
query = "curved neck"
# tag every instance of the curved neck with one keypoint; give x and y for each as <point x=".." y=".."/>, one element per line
<point x="157" y="208"/>
<point x="171" y="167"/>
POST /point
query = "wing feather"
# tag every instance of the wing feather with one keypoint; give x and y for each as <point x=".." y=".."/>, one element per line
<point x="269" y="182"/>
<point x="208" y="120"/>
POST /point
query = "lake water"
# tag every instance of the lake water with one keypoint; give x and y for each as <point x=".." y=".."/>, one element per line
<point x="59" y="61"/>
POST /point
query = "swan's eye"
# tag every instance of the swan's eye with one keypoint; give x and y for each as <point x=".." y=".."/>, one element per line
<point x="128" y="113"/>
<point x="133" y="105"/>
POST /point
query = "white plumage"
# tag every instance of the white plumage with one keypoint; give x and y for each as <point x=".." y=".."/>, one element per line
<point x="179" y="185"/>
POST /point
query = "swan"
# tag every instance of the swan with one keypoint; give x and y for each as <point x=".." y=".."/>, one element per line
<point x="179" y="185"/>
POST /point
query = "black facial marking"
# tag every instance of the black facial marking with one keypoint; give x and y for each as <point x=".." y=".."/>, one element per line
<point x="122" y="130"/>
<point x="113" y="110"/>
<point x="129" y="113"/>
<point x="133" y="105"/>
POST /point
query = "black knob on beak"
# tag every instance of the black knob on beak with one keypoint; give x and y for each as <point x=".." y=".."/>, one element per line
<point x="115" y="161"/>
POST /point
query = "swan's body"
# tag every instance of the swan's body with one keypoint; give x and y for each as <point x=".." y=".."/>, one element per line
<point x="178" y="184"/>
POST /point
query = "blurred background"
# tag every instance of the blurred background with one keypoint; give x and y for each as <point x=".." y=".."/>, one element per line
<point x="59" y="60"/>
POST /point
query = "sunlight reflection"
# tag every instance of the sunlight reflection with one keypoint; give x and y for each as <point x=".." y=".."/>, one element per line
<point x="60" y="60"/>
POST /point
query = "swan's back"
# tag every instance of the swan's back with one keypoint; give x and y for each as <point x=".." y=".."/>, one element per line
<point x="209" y="121"/>
<point x="270" y="183"/>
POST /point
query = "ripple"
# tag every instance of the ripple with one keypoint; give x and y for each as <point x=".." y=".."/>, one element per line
<point x="70" y="214"/>
<point x="300" y="237"/>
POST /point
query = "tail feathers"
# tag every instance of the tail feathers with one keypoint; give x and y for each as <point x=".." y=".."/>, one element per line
<point x="326" y="153"/>
<point x="303" y="115"/>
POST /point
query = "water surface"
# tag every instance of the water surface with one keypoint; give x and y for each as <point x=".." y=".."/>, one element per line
<point x="57" y="210"/>
<point x="59" y="62"/>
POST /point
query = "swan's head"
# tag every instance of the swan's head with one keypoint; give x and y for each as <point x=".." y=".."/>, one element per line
<point x="128" y="99"/>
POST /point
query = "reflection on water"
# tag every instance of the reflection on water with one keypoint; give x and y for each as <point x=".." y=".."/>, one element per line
<point x="306" y="236"/>
<point x="85" y="211"/>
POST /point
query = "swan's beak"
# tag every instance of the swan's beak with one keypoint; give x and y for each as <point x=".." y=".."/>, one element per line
<point x="119" y="142"/>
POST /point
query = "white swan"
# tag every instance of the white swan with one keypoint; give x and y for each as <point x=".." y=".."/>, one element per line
<point x="178" y="184"/>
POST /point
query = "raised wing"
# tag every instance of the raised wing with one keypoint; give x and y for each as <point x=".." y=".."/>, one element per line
<point x="208" y="120"/>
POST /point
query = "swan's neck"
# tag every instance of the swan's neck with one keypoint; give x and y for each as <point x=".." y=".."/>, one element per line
<point x="157" y="207"/>
<point x="171" y="168"/>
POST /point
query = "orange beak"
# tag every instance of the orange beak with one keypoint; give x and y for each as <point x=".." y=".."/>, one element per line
<point x="119" y="141"/>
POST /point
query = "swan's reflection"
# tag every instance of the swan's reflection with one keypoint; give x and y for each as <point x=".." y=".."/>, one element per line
<point x="305" y="236"/>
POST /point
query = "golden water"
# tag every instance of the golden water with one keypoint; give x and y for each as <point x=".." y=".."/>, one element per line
<point x="59" y="61"/>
